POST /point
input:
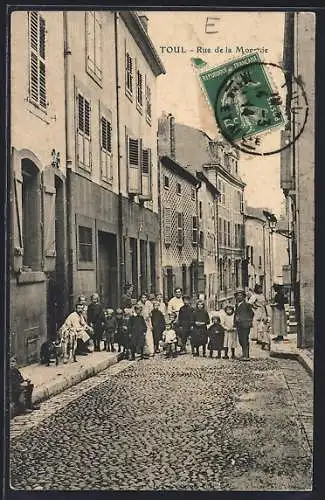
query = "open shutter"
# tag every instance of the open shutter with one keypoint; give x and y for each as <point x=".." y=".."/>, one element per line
<point x="48" y="193"/>
<point x="167" y="225"/>
<point x="134" y="162"/>
<point x="17" y="229"/>
<point x="146" y="191"/>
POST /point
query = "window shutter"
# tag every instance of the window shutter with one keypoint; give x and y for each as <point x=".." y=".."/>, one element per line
<point x="98" y="47"/>
<point x="17" y="228"/>
<point x="134" y="173"/>
<point x="37" y="78"/>
<point x="167" y="225"/>
<point x="90" y="40"/>
<point x="180" y="229"/>
<point x="48" y="192"/>
<point x="146" y="174"/>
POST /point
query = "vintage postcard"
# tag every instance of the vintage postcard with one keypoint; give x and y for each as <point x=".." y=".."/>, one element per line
<point x="161" y="332"/>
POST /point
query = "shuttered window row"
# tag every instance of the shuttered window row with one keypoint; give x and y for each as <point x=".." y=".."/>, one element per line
<point x="37" y="70"/>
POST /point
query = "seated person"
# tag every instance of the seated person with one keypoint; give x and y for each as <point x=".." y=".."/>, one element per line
<point x="20" y="390"/>
<point x="77" y="323"/>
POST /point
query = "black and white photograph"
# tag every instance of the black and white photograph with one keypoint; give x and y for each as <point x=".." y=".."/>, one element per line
<point x="161" y="249"/>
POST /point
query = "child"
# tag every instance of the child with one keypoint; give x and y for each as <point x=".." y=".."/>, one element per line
<point x="185" y="322"/>
<point x="170" y="340"/>
<point x="96" y="319"/>
<point x="125" y="340"/>
<point x="227" y="322"/>
<point x="199" y="334"/>
<point x="216" y="334"/>
<point x="137" y="328"/>
<point x="109" y="330"/>
<point x="20" y="390"/>
<point x="158" y="324"/>
<point x="119" y="328"/>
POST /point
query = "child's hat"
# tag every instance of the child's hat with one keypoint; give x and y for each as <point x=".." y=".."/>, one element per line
<point x="110" y="311"/>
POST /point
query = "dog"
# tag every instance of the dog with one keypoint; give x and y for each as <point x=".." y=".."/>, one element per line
<point x="51" y="350"/>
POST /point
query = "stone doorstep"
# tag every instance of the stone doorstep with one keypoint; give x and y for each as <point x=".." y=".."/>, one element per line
<point x="68" y="376"/>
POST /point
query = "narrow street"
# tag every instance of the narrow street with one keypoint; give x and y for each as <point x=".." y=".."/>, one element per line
<point x="172" y="424"/>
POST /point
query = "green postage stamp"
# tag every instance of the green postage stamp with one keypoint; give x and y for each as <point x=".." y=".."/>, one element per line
<point x="242" y="97"/>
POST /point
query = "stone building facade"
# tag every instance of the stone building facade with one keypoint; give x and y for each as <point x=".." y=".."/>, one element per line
<point x="297" y="170"/>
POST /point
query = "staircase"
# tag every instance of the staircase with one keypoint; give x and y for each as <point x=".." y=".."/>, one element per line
<point x="292" y="325"/>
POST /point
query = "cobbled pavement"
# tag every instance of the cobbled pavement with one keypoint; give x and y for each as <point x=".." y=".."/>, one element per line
<point x="169" y="424"/>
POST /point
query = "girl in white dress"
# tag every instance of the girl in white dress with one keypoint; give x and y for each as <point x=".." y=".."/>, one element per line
<point x="227" y="321"/>
<point x="147" y="307"/>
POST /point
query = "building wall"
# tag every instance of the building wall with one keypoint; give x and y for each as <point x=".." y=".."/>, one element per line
<point x="280" y="257"/>
<point x="35" y="132"/>
<point x="305" y="161"/>
<point x="173" y="255"/>
<point x="257" y="236"/>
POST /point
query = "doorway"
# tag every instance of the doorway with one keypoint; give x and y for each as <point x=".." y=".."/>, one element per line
<point x="57" y="295"/>
<point x="107" y="269"/>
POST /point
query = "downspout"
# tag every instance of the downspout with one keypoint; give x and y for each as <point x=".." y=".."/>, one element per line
<point x="160" y="214"/>
<point x="121" y="274"/>
<point x="68" y="144"/>
<point x="197" y="187"/>
<point x="216" y="229"/>
<point x="264" y="259"/>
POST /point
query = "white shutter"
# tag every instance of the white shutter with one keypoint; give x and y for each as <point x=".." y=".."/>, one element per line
<point x="146" y="167"/>
<point x="167" y="225"/>
<point x="133" y="154"/>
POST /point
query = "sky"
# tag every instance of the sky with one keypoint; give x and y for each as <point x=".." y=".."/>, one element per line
<point x="179" y="93"/>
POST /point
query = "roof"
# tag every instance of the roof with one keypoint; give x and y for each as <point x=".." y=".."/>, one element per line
<point x="143" y="40"/>
<point x="213" y="190"/>
<point x="255" y="213"/>
<point x="176" y="167"/>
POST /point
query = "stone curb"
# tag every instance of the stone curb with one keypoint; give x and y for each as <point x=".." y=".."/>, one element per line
<point x="66" y="381"/>
<point x="301" y="357"/>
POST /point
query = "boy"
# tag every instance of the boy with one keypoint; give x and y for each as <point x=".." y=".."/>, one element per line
<point x="185" y="322"/>
<point x="158" y="324"/>
<point x="21" y="390"/>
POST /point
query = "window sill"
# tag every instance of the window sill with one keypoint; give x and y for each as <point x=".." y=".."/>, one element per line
<point x="86" y="266"/>
<point x="31" y="277"/>
<point x="35" y="109"/>
<point x="84" y="172"/>
<point x="107" y="182"/>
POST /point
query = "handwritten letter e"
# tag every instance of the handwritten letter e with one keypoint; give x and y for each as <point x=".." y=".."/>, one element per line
<point x="209" y="26"/>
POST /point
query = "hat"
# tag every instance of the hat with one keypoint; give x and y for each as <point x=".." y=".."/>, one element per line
<point x="239" y="290"/>
<point x="109" y="311"/>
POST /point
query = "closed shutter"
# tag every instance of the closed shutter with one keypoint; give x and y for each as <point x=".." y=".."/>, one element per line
<point x="180" y="229"/>
<point x="167" y="225"/>
<point x="48" y="192"/>
<point x="17" y="224"/>
<point x="134" y="161"/>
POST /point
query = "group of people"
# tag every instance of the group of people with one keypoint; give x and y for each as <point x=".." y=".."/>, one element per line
<point x="148" y="326"/>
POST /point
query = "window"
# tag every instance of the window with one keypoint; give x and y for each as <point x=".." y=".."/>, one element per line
<point x="241" y="202"/>
<point x="229" y="234"/>
<point x="94" y="45"/>
<point x="178" y="188"/>
<point x="128" y="74"/>
<point x="220" y="270"/>
<point x="167" y="225"/>
<point x="146" y="174"/>
<point x="148" y="103"/>
<point x="83" y="132"/>
<point x="166" y="182"/>
<point x="180" y="229"/>
<point x="139" y="90"/>
<point x="200" y="209"/>
<point x="201" y="239"/>
<point x="106" y="149"/>
<point x="221" y="189"/>
<point x="227" y="162"/>
<point x="193" y="193"/>
<point x="134" y="158"/>
<point x="260" y="261"/>
<point x="85" y="244"/>
<point x="37" y="68"/>
<point x="220" y="227"/>
<point x="29" y="219"/>
<point x="225" y="232"/>
<point x="194" y="230"/>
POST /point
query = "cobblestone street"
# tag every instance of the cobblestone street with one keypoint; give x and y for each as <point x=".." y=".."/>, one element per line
<point x="172" y="424"/>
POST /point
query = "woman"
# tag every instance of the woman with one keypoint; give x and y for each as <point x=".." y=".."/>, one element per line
<point x="258" y="302"/>
<point x="199" y="334"/>
<point x="279" y="317"/>
<point x="146" y="306"/>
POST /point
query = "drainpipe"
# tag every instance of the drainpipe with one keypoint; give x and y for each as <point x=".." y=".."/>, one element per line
<point x="197" y="187"/>
<point x="121" y="274"/>
<point x="68" y="142"/>
<point x="216" y="226"/>
<point x="264" y="259"/>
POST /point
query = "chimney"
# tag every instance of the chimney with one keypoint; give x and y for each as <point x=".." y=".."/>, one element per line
<point x="144" y="21"/>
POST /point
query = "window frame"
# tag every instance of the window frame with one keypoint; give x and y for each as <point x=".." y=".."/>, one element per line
<point x="167" y="234"/>
<point x="178" y="188"/>
<point x="168" y="184"/>
<point x="86" y="222"/>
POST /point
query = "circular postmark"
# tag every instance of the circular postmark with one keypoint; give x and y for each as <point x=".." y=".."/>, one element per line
<point x="247" y="107"/>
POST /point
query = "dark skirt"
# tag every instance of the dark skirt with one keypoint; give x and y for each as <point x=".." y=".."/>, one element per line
<point x="199" y="336"/>
<point x="216" y="342"/>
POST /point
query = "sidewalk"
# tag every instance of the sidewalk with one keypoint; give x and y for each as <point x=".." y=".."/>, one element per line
<point x="51" y="380"/>
<point x="289" y="349"/>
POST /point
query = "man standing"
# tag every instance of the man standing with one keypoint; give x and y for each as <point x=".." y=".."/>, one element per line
<point x="243" y="321"/>
<point x="96" y="319"/>
<point x="175" y="303"/>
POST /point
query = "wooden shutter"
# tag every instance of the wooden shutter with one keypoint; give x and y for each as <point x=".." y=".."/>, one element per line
<point x="180" y="229"/>
<point x="146" y="175"/>
<point x="48" y="193"/>
<point x="167" y="225"/>
<point x="83" y="112"/>
<point x="98" y="46"/>
<point x="90" y="40"/>
<point x="37" y="85"/>
<point x="134" y="162"/>
<point x="17" y="224"/>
